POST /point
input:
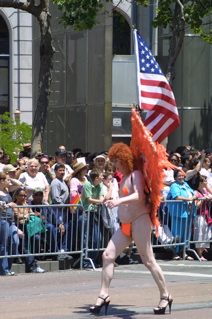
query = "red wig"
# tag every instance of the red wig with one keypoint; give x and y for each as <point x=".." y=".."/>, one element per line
<point x="123" y="153"/>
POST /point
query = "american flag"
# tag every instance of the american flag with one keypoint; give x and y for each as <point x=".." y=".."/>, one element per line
<point x="155" y="93"/>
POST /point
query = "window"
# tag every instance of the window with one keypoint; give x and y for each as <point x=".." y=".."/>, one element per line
<point x="121" y="34"/>
<point x="4" y="66"/>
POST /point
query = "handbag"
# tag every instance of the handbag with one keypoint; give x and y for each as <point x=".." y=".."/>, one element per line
<point x="35" y="225"/>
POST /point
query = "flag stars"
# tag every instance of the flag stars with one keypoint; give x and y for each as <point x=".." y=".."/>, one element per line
<point x="147" y="65"/>
<point x="152" y="69"/>
<point x="143" y="69"/>
<point x="147" y="56"/>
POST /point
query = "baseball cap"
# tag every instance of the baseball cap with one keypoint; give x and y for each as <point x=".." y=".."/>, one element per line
<point x="38" y="190"/>
<point x="60" y="152"/>
<point x="9" y="168"/>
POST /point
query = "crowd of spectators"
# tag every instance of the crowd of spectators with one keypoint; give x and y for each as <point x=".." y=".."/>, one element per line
<point x="57" y="180"/>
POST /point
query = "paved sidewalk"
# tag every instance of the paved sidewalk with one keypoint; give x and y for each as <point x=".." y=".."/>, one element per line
<point x="69" y="293"/>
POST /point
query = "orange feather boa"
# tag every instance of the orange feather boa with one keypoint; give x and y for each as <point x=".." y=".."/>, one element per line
<point x="152" y="159"/>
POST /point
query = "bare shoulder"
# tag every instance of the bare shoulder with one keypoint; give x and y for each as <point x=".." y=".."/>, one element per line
<point x="137" y="176"/>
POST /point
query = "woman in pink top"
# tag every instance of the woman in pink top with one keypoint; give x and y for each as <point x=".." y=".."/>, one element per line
<point x="78" y="179"/>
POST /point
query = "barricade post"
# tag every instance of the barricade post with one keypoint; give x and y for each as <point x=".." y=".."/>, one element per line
<point x="96" y="235"/>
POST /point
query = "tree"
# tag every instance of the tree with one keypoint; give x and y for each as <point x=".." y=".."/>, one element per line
<point x="42" y="14"/>
<point x="179" y="15"/>
<point x="15" y="132"/>
<point x="81" y="14"/>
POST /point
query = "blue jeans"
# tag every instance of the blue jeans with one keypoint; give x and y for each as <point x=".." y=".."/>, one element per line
<point x="67" y="241"/>
<point x="30" y="262"/>
<point x="8" y="244"/>
<point x="49" y="237"/>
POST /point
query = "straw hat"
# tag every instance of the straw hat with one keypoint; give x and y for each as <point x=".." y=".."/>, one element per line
<point x="77" y="167"/>
<point x="27" y="146"/>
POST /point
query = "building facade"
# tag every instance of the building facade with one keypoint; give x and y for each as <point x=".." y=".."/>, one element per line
<point x="16" y="63"/>
<point x="94" y="82"/>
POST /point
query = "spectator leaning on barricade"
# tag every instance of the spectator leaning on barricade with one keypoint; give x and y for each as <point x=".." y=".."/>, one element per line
<point x="32" y="179"/>
<point x="78" y="179"/>
<point x="60" y="196"/>
<point x="180" y="212"/>
<point x="51" y="223"/>
<point x="8" y="231"/>
<point x="92" y="193"/>
<point x="22" y="218"/>
<point x="202" y="221"/>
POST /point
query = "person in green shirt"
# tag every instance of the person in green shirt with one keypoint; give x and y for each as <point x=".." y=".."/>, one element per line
<point x="92" y="193"/>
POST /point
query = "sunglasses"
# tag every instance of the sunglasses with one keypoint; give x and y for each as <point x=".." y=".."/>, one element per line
<point x="44" y="162"/>
<point x="22" y="195"/>
<point x="38" y="194"/>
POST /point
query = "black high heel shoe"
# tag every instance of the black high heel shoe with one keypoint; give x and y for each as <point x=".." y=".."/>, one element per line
<point x="97" y="308"/>
<point x="161" y="310"/>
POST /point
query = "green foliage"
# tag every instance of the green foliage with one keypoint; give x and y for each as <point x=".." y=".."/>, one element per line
<point x="144" y="3"/>
<point x="196" y="14"/>
<point x="81" y="14"/>
<point x="13" y="135"/>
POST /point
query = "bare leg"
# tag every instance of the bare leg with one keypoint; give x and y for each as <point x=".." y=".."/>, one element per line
<point x="141" y="233"/>
<point x="116" y="245"/>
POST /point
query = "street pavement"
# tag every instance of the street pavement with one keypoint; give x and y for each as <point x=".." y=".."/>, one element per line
<point x="69" y="293"/>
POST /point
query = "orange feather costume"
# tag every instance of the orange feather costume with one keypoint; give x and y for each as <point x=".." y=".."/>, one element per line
<point x="152" y="159"/>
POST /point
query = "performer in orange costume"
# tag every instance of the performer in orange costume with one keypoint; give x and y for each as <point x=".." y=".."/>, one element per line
<point x="136" y="215"/>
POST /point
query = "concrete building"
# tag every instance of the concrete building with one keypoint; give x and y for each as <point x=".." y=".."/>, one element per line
<point x="16" y="63"/>
<point x="94" y="82"/>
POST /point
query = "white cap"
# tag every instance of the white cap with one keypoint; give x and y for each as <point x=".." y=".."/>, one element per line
<point x="99" y="156"/>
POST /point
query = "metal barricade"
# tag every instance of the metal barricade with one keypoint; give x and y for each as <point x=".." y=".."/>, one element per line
<point x="37" y="231"/>
<point x="175" y="232"/>
<point x="201" y="232"/>
<point x="86" y="235"/>
<point x="175" y="217"/>
<point x="178" y="220"/>
<point x="96" y="235"/>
